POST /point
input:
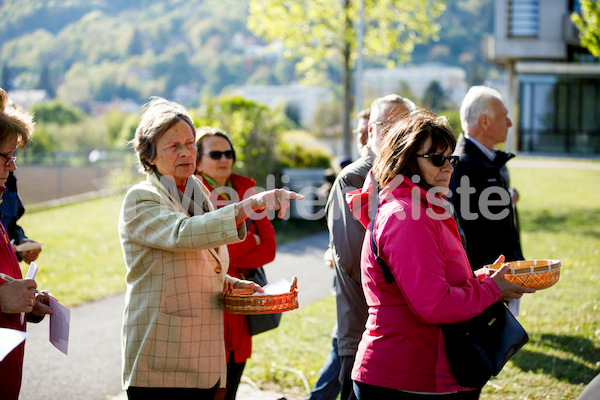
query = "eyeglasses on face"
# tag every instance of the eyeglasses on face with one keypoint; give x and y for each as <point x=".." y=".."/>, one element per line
<point x="9" y="159"/>
<point x="439" y="160"/>
<point x="216" y="154"/>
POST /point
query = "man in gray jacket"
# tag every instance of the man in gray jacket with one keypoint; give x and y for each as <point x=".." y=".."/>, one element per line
<point x="346" y="236"/>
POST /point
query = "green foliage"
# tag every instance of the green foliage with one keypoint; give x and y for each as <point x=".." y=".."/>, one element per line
<point x="588" y="24"/>
<point x="327" y="119"/>
<point x="94" y="50"/>
<point x="462" y="27"/>
<point x="116" y="121"/>
<point x="393" y="27"/>
<point x="317" y="33"/>
<point x="453" y="116"/>
<point x="298" y="149"/>
<point x="435" y="98"/>
<point x="56" y="112"/>
<point x="42" y="143"/>
<point x="254" y="128"/>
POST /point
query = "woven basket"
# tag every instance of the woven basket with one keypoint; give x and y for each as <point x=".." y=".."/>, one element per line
<point x="241" y="301"/>
<point x="536" y="274"/>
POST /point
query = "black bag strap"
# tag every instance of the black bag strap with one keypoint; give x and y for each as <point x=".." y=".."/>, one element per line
<point x="387" y="272"/>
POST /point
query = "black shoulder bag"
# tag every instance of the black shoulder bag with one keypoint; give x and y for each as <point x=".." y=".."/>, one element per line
<point x="259" y="323"/>
<point x="478" y="348"/>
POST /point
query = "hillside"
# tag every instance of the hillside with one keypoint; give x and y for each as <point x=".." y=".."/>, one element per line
<point x="84" y="50"/>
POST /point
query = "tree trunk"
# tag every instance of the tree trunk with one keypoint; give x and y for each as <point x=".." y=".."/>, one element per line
<point x="347" y="92"/>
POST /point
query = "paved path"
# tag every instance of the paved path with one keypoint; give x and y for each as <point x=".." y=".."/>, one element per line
<point x="92" y="370"/>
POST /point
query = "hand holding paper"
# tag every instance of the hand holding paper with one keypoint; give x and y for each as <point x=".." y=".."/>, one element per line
<point x="60" y="322"/>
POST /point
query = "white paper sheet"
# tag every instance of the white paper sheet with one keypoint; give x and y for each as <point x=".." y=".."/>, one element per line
<point x="9" y="339"/>
<point x="31" y="273"/>
<point x="60" y="322"/>
<point x="278" y="286"/>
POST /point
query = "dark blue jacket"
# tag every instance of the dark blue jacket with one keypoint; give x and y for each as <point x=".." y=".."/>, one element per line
<point x="487" y="238"/>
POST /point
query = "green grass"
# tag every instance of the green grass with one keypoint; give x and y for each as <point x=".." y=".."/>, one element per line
<point x="560" y="218"/>
<point x="82" y="259"/>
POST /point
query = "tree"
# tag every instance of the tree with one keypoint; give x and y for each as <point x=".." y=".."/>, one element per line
<point x="435" y="98"/>
<point x="5" y="83"/>
<point x="312" y="29"/>
<point x="45" y="82"/>
<point x="588" y="24"/>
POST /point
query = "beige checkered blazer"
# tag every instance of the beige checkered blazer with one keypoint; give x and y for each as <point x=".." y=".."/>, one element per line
<point x="176" y="266"/>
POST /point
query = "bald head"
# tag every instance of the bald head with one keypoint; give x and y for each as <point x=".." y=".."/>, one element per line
<point x="384" y="112"/>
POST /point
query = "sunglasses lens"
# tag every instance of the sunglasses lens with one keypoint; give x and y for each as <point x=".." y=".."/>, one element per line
<point x="438" y="160"/>
<point x="216" y="154"/>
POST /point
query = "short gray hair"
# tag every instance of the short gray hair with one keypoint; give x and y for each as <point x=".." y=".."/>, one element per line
<point x="477" y="102"/>
<point x="159" y="116"/>
<point x="391" y="99"/>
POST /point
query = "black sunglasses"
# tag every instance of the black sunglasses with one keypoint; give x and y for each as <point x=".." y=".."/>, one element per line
<point x="439" y="160"/>
<point x="216" y="154"/>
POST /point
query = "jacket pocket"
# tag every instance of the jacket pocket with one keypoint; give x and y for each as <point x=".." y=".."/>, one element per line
<point x="177" y="344"/>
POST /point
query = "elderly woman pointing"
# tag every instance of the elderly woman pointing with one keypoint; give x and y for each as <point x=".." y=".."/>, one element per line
<point x="174" y="244"/>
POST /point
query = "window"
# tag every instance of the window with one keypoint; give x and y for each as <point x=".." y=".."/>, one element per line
<point x="523" y="18"/>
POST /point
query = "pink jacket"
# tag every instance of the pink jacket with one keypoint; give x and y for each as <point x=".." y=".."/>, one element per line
<point x="403" y="347"/>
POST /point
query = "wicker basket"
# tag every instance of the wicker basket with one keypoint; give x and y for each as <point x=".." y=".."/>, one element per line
<point x="536" y="274"/>
<point x="241" y="301"/>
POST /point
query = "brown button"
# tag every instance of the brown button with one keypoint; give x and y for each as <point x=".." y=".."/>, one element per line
<point x="223" y="235"/>
<point x="218" y="269"/>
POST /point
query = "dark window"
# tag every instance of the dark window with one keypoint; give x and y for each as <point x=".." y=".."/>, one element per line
<point x="559" y="114"/>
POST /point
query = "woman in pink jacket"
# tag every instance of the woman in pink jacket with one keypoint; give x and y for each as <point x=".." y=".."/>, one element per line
<point x="402" y="353"/>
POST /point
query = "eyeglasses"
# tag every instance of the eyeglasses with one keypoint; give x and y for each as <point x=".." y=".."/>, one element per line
<point x="216" y="154"/>
<point x="376" y="123"/>
<point x="439" y="160"/>
<point x="9" y="159"/>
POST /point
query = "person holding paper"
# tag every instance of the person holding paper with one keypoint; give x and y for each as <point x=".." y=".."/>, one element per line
<point x="215" y="158"/>
<point x="11" y="210"/>
<point x="174" y="245"/>
<point x="16" y="295"/>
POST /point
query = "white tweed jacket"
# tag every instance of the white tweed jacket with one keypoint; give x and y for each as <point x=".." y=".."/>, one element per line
<point x="176" y="264"/>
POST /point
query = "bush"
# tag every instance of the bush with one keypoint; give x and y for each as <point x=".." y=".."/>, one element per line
<point x="56" y="112"/>
<point x="299" y="149"/>
<point x="254" y="128"/>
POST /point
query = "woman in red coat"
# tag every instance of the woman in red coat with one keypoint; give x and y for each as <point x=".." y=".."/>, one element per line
<point x="215" y="158"/>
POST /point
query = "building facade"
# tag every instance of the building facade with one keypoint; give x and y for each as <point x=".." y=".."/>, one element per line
<point x="553" y="83"/>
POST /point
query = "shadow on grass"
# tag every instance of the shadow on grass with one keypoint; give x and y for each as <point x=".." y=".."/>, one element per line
<point x="293" y="229"/>
<point x="585" y="221"/>
<point x="568" y="370"/>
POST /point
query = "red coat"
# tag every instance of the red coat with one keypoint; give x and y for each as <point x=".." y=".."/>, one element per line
<point x="243" y="257"/>
<point x="11" y="368"/>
